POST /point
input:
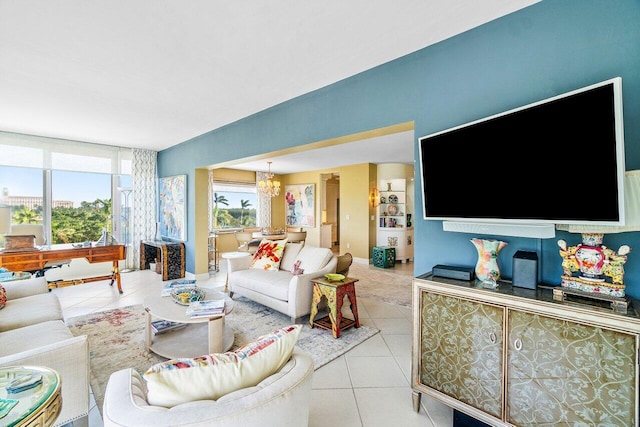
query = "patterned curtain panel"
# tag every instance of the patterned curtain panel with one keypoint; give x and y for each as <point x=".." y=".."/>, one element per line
<point x="263" y="213"/>
<point x="144" y="182"/>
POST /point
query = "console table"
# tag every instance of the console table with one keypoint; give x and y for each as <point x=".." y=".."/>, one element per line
<point x="36" y="259"/>
<point x="170" y="254"/>
<point x="514" y="356"/>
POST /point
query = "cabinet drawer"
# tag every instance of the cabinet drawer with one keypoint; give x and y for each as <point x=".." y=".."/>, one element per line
<point x="461" y="350"/>
<point x="567" y="373"/>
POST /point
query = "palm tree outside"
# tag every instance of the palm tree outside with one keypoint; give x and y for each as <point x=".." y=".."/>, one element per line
<point x="244" y="204"/>
<point x="218" y="199"/>
<point x="26" y="215"/>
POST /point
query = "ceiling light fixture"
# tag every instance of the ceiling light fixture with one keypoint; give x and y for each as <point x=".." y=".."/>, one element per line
<point x="269" y="187"/>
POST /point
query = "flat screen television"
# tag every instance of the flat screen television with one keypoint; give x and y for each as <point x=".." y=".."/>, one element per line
<point x="556" y="161"/>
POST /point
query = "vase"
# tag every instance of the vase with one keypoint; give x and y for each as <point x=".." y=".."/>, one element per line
<point x="158" y="236"/>
<point x="591" y="257"/>
<point x="487" y="268"/>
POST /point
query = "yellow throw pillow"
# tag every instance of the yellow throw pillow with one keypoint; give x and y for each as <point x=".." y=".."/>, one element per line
<point x="269" y="254"/>
<point x="211" y="376"/>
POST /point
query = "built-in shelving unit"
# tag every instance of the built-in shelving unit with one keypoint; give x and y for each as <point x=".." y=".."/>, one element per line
<point x="395" y="227"/>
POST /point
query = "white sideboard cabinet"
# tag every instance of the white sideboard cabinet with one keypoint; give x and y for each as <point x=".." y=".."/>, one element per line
<point x="516" y="357"/>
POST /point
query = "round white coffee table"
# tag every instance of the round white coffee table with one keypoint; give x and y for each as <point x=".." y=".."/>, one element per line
<point x="201" y="336"/>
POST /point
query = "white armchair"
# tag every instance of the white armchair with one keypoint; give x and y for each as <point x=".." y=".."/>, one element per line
<point x="283" y="399"/>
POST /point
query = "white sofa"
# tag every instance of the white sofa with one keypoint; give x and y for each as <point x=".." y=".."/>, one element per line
<point x="281" y="290"/>
<point x="33" y="332"/>
<point x="282" y="399"/>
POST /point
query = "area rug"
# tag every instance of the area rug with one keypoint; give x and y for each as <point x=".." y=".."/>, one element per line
<point x="116" y="338"/>
<point x="386" y="286"/>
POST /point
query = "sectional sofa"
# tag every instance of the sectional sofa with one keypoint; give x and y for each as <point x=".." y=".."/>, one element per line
<point x="33" y="332"/>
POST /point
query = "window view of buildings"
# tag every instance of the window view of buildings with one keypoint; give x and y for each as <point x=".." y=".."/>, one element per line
<point x="69" y="221"/>
<point x="72" y="188"/>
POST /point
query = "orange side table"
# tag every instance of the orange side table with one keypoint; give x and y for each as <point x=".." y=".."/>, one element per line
<point x="334" y="292"/>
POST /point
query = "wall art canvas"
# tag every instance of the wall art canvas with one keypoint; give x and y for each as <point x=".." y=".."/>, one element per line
<point x="300" y="205"/>
<point x="173" y="208"/>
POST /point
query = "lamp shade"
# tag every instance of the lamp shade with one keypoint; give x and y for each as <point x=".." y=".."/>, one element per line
<point x="5" y="219"/>
<point x="631" y="210"/>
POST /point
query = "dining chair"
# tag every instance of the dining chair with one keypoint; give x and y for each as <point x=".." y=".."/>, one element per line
<point x="37" y="230"/>
<point x="245" y="242"/>
<point x="296" y="236"/>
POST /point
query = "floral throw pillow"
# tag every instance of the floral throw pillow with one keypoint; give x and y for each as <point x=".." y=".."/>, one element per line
<point x="3" y="297"/>
<point x="211" y="376"/>
<point x="269" y="254"/>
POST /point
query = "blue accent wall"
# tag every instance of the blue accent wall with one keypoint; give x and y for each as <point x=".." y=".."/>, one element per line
<point x="543" y="50"/>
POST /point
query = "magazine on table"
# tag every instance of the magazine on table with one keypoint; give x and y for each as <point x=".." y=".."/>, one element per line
<point x="168" y="287"/>
<point x="162" y="326"/>
<point x="206" y="308"/>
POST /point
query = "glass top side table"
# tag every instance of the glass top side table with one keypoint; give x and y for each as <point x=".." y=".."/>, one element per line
<point x="39" y="405"/>
<point x="17" y="275"/>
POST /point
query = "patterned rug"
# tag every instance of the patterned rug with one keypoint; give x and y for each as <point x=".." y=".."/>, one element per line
<point x="381" y="284"/>
<point x="116" y="338"/>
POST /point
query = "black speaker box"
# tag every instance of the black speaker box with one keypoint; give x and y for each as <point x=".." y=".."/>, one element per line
<point x="525" y="269"/>
<point x="460" y="419"/>
<point x="453" y="272"/>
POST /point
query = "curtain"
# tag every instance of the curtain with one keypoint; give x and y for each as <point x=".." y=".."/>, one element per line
<point x="263" y="213"/>
<point x="211" y="200"/>
<point x="144" y="182"/>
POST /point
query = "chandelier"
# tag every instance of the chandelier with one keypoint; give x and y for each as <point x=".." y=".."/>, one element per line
<point x="269" y="187"/>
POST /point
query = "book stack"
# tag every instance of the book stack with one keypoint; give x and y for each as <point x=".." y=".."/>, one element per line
<point x="168" y="287"/>
<point x="162" y="326"/>
<point x="24" y="382"/>
<point x="206" y="308"/>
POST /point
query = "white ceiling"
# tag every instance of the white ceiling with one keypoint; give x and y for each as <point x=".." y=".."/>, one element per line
<point x="153" y="73"/>
<point x="392" y="148"/>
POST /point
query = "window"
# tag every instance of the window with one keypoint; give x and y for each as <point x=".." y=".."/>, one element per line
<point x="22" y="192"/>
<point x="80" y="206"/>
<point x="233" y="205"/>
<point x="71" y="187"/>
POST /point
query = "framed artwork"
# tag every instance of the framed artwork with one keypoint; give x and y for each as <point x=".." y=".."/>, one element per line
<point x="300" y="205"/>
<point x="173" y="208"/>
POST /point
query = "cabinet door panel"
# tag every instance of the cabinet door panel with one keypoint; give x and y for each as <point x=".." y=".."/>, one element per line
<point x="566" y="373"/>
<point x="461" y="350"/>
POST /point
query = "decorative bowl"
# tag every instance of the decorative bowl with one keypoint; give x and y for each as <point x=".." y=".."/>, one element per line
<point x="187" y="294"/>
<point x="334" y="277"/>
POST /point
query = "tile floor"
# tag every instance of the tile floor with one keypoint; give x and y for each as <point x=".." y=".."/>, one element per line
<point x="368" y="386"/>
